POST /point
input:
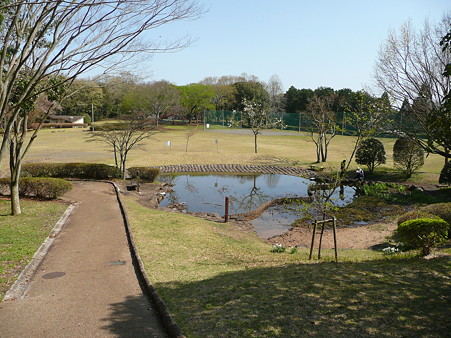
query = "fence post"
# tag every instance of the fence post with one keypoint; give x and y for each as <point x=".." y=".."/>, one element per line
<point x="226" y="214"/>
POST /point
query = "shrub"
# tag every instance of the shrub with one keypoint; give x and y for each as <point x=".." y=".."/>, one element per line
<point x="445" y="174"/>
<point x="38" y="187"/>
<point x="145" y="173"/>
<point x="423" y="233"/>
<point x="71" y="170"/>
<point x="442" y="210"/>
<point x="416" y="214"/>
<point x="370" y="153"/>
<point x="408" y="156"/>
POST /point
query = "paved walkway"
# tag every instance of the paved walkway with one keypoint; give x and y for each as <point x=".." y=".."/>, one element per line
<point x="86" y="285"/>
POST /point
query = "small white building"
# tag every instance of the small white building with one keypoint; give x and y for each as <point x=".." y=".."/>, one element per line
<point x="66" y="119"/>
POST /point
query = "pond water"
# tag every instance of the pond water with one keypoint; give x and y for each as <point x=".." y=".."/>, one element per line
<point x="206" y="193"/>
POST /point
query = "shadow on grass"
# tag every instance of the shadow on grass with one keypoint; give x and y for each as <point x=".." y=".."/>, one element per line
<point x="134" y="317"/>
<point x="393" y="297"/>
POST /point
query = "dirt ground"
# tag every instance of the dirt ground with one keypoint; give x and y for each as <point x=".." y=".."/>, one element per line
<point x="356" y="237"/>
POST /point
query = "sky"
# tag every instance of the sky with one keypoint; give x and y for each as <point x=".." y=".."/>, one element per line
<point x="307" y="43"/>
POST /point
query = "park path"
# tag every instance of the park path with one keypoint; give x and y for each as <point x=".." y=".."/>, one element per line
<point x="86" y="286"/>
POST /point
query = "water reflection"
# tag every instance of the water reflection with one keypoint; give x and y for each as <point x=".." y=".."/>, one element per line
<point x="206" y="193"/>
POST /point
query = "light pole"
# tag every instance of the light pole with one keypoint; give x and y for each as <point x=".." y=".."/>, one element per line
<point x="92" y="116"/>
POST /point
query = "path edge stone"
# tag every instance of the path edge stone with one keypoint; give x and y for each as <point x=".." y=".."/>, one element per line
<point x="20" y="287"/>
<point x="171" y="326"/>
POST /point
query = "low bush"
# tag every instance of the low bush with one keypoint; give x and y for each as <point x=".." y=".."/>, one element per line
<point x="41" y="187"/>
<point x="416" y="214"/>
<point x="423" y="233"/>
<point x="442" y="210"/>
<point x="71" y="170"/>
<point x="145" y="173"/>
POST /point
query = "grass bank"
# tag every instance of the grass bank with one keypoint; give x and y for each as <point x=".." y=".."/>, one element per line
<point x="21" y="236"/>
<point x="219" y="281"/>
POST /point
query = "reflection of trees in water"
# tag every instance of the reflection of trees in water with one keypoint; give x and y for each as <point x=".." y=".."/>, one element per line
<point x="172" y="197"/>
<point x="243" y="179"/>
<point x="190" y="187"/>
<point x="249" y="201"/>
<point x="272" y="180"/>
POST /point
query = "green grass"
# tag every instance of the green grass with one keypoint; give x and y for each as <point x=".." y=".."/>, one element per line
<point x="21" y="236"/>
<point x="232" y="149"/>
<point x="219" y="281"/>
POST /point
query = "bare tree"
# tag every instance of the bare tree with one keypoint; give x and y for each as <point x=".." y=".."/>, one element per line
<point x="132" y="130"/>
<point x="62" y="39"/>
<point x="410" y="67"/>
<point x="189" y="134"/>
<point x="322" y="124"/>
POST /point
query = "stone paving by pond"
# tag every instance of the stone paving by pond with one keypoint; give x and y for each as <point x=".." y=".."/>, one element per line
<point x="234" y="168"/>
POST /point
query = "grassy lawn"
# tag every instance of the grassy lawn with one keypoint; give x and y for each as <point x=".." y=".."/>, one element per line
<point x="218" y="281"/>
<point x="21" y="236"/>
<point x="70" y="145"/>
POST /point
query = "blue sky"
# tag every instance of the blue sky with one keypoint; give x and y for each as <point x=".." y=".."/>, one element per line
<point x="306" y="43"/>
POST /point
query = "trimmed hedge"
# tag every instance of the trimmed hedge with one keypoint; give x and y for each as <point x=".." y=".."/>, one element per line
<point x="41" y="187"/>
<point x="442" y="210"/>
<point x="145" y="173"/>
<point x="416" y="214"/>
<point x="423" y="233"/>
<point x="71" y="170"/>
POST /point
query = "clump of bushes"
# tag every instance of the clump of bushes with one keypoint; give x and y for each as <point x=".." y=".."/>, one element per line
<point x="71" y="170"/>
<point x="442" y="210"/>
<point x="438" y="210"/>
<point x="145" y="173"/>
<point x="416" y="214"/>
<point x="423" y="233"/>
<point x="41" y="187"/>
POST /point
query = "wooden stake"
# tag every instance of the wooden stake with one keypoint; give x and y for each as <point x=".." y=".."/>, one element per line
<point x="313" y="239"/>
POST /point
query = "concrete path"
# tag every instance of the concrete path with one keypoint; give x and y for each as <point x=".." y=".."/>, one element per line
<point x="86" y="285"/>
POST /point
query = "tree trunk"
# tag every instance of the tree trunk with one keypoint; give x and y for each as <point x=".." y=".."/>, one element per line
<point x="14" y="169"/>
<point x="15" y="199"/>
<point x="255" y="143"/>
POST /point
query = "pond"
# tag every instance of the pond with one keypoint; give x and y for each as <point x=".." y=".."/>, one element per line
<point x="206" y="193"/>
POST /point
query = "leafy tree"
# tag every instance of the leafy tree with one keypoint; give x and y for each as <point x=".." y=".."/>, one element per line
<point x="370" y="153"/>
<point x="224" y="96"/>
<point x="410" y="67"/>
<point x="250" y="91"/>
<point x="408" y="155"/>
<point x="321" y="124"/>
<point x="83" y="97"/>
<point x="196" y="98"/>
<point x="296" y="100"/>
<point x="114" y="88"/>
<point x="154" y="99"/>
<point x="259" y="118"/>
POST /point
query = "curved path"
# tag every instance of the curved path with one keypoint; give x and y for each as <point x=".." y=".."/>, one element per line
<point x="86" y="286"/>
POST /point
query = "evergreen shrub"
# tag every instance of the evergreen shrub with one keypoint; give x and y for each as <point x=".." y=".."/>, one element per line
<point x="423" y="233"/>
<point x="41" y="187"/>
<point x="145" y="173"/>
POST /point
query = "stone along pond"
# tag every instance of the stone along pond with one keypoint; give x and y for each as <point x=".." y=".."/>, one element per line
<point x="206" y="193"/>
